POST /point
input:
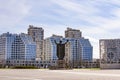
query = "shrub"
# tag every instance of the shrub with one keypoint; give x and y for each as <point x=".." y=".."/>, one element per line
<point x="25" y="67"/>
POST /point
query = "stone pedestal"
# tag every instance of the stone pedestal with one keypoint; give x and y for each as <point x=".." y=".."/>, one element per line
<point x="60" y="64"/>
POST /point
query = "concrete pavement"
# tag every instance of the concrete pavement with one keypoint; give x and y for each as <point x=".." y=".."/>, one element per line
<point x="41" y="74"/>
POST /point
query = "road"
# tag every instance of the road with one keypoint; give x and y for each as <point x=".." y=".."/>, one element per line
<point x="41" y="74"/>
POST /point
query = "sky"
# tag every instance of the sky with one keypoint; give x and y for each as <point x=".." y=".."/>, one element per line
<point x="97" y="19"/>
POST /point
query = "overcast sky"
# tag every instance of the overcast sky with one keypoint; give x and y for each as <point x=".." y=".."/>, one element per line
<point x="97" y="19"/>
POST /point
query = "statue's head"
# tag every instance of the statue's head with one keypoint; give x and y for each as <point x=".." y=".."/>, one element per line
<point x="67" y="40"/>
<point x="60" y="42"/>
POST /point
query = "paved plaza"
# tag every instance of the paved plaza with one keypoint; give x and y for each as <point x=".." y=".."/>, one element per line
<point x="42" y="74"/>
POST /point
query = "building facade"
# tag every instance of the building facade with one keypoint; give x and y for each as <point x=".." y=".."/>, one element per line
<point x="78" y="51"/>
<point x="72" y="53"/>
<point x="4" y="54"/>
<point x="23" y="48"/>
<point x="37" y="34"/>
<point x="109" y="53"/>
<point x="86" y="49"/>
<point x="73" y="33"/>
<point x="6" y="40"/>
<point x="17" y="47"/>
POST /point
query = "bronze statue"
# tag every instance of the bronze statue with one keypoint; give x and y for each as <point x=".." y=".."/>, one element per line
<point x="60" y="49"/>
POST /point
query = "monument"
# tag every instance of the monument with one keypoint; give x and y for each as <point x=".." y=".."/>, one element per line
<point x="60" y="54"/>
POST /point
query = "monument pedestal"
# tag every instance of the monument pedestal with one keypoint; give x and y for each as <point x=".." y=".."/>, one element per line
<point x="60" y="64"/>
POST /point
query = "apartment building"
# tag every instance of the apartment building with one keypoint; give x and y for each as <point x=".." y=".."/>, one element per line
<point x="37" y="34"/>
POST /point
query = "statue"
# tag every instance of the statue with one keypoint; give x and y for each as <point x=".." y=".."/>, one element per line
<point x="60" y="49"/>
<point x="61" y="64"/>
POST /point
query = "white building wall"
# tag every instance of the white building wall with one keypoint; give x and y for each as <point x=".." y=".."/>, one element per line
<point x="109" y="53"/>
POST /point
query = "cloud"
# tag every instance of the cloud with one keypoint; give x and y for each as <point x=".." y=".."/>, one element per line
<point x="12" y="12"/>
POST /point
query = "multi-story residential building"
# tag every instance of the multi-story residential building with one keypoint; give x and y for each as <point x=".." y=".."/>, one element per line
<point x="78" y="51"/>
<point x="23" y="48"/>
<point x="37" y="34"/>
<point x="72" y="53"/>
<point x="17" y="47"/>
<point x="50" y="47"/>
<point x="6" y="41"/>
<point x="109" y="53"/>
<point x="73" y="33"/>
